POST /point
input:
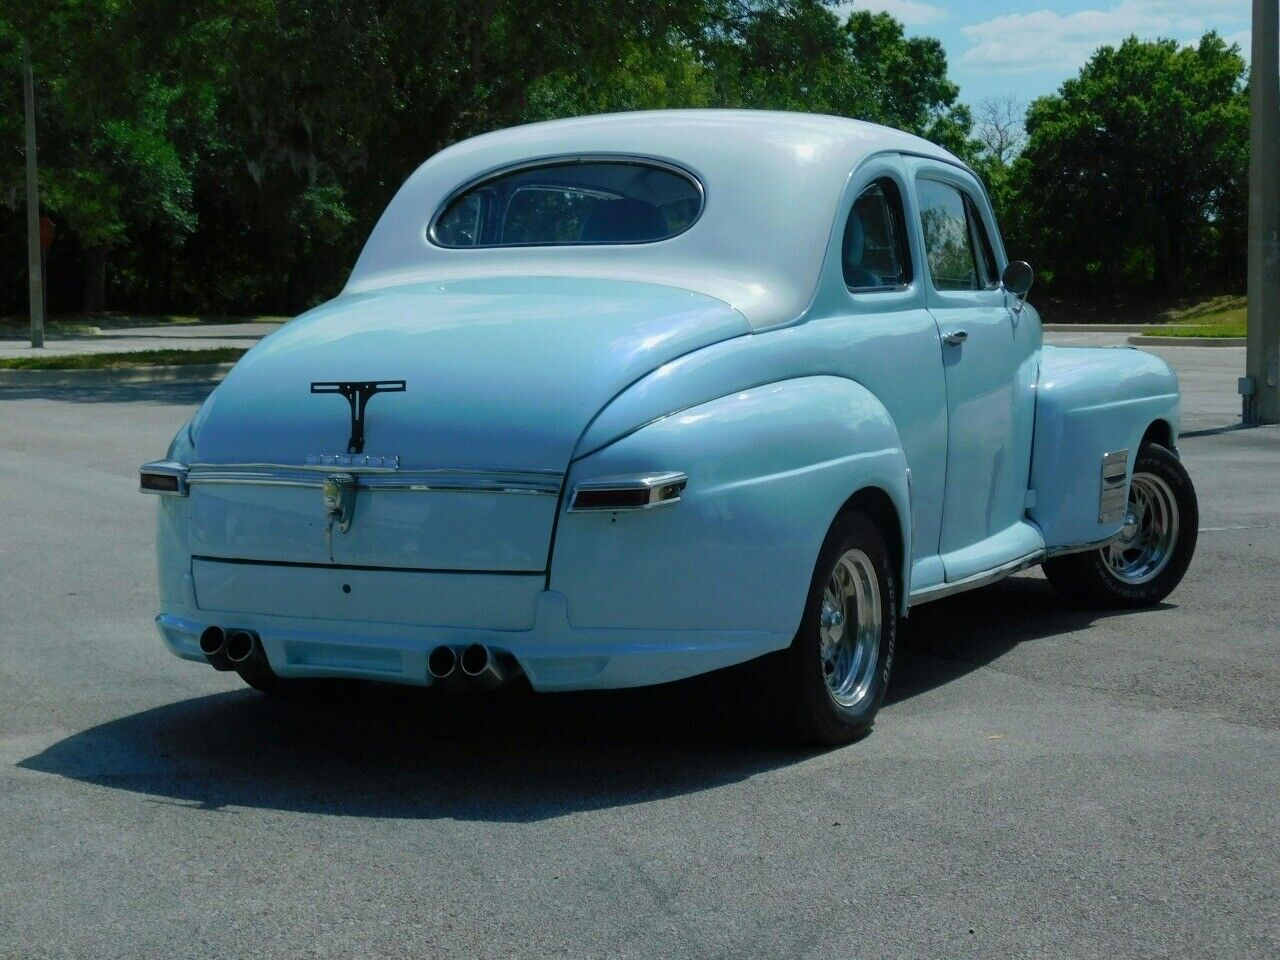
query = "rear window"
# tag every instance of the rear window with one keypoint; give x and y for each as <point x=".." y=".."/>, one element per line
<point x="571" y="203"/>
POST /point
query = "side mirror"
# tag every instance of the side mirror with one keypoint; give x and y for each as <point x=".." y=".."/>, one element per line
<point x="1017" y="280"/>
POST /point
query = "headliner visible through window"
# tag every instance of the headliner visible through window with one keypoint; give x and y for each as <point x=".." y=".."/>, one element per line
<point x="572" y="203"/>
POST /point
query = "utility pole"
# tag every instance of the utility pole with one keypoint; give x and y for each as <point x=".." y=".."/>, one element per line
<point x="1260" y="386"/>
<point x="36" y="275"/>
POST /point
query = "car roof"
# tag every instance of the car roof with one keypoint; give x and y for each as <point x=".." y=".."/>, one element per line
<point x="772" y="181"/>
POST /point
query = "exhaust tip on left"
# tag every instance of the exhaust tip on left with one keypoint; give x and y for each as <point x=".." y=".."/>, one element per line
<point x="213" y="644"/>
<point x="212" y="641"/>
<point x="442" y="662"/>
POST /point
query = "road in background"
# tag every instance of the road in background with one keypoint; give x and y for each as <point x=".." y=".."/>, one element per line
<point x="195" y="336"/>
<point x="1043" y="781"/>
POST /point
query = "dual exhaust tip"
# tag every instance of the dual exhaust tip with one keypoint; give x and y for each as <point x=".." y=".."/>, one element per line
<point x="475" y="663"/>
<point x="241" y="650"/>
<point x="230" y="649"/>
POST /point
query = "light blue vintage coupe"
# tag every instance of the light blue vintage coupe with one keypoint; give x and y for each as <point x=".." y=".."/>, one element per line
<point x="622" y="399"/>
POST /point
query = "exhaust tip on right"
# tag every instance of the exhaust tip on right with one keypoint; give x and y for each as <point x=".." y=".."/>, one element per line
<point x="239" y="645"/>
<point x="442" y="662"/>
<point x="474" y="659"/>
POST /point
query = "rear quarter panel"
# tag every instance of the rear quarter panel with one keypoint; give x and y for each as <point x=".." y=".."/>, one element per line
<point x="769" y="468"/>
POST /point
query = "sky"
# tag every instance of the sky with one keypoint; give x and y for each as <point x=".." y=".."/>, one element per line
<point x="1026" y="48"/>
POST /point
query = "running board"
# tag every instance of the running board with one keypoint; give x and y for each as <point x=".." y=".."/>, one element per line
<point x="988" y="577"/>
<point x="982" y="579"/>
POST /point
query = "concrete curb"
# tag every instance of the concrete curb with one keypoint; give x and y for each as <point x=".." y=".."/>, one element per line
<point x="188" y="373"/>
<point x="1187" y="341"/>
<point x="1095" y="327"/>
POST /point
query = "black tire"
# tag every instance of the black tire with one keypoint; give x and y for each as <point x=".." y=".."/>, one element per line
<point x="1087" y="579"/>
<point x="798" y="676"/>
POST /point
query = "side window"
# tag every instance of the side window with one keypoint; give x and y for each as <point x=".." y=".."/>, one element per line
<point x="952" y="235"/>
<point x="875" y="255"/>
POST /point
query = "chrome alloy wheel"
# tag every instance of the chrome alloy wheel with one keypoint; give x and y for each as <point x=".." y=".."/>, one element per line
<point x="849" y="628"/>
<point x="1149" y="534"/>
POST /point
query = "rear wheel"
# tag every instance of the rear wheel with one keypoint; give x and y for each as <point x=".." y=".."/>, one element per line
<point x="832" y="679"/>
<point x="1149" y="558"/>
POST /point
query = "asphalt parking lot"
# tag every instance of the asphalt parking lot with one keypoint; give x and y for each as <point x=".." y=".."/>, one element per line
<point x="1044" y="782"/>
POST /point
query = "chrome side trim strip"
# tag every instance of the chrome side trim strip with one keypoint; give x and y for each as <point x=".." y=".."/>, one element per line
<point x="982" y="579"/>
<point x="1080" y="547"/>
<point x="373" y="465"/>
<point x="451" y="481"/>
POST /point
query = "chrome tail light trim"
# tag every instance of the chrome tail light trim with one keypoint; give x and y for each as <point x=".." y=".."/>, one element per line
<point x="632" y="492"/>
<point x="165" y="478"/>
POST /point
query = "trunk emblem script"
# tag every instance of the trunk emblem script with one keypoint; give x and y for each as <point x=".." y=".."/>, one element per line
<point x="358" y="394"/>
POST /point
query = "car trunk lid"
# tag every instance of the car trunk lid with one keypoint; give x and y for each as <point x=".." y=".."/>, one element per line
<point x="460" y="469"/>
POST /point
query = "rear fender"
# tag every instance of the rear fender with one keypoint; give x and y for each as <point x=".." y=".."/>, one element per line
<point x="1091" y="402"/>
<point x="769" y="468"/>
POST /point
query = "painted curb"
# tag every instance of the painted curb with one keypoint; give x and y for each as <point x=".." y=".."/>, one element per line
<point x="1187" y="341"/>
<point x="189" y="373"/>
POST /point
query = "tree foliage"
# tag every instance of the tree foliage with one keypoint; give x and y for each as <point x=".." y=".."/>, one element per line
<point x="1135" y="171"/>
<point x="231" y="155"/>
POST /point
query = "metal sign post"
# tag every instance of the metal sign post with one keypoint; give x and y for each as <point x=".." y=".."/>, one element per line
<point x="36" y="274"/>
<point x="1260" y="386"/>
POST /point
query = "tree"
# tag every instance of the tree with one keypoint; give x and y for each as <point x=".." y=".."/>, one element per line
<point x="115" y="125"/>
<point x="998" y="126"/>
<point x="231" y="155"/>
<point x="1132" y="172"/>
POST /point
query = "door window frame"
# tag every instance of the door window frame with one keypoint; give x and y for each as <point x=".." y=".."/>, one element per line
<point x="972" y="193"/>
<point x="833" y="296"/>
<point x="901" y="233"/>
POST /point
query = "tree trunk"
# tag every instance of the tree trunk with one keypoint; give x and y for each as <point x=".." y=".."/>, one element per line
<point x="1175" y="256"/>
<point x="294" y="281"/>
<point x="95" y="278"/>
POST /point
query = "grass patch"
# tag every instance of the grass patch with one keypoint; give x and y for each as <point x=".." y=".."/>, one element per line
<point x="1216" y="331"/>
<point x="1225" y="310"/>
<point x="1222" y="309"/>
<point x="119" y="361"/>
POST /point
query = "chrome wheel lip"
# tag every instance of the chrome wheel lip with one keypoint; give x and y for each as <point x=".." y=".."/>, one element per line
<point x="1150" y="533"/>
<point x="849" y="628"/>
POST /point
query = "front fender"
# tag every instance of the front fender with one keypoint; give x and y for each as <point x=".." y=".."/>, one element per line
<point x="1091" y="401"/>
<point x="769" y="468"/>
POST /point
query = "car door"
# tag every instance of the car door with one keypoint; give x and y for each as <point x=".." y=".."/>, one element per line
<point x="870" y="323"/>
<point x="990" y="357"/>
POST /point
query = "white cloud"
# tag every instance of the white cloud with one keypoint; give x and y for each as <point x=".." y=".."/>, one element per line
<point x="912" y="13"/>
<point x="1244" y="39"/>
<point x="1045" y="40"/>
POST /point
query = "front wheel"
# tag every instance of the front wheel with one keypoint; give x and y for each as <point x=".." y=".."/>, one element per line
<point x="1143" y="565"/>
<point x="832" y="679"/>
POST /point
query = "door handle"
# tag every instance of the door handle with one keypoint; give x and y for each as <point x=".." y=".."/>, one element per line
<point x="956" y="337"/>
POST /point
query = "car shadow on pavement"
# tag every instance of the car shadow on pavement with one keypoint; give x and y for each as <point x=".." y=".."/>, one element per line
<point x="387" y="751"/>
<point x="946" y="639"/>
